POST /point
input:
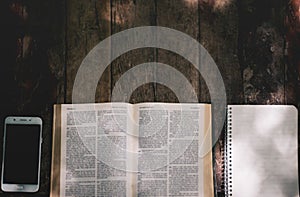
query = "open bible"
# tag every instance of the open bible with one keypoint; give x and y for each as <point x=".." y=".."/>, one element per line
<point x="121" y="149"/>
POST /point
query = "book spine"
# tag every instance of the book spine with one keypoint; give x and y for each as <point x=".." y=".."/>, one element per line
<point x="228" y="154"/>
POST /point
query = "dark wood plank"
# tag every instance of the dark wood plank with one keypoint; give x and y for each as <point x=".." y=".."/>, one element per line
<point x="129" y="14"/>
<point x="219" y="33"/>
<point x="32" y="70"/>
<point x="292" y="49"/>
<point x="88" y="23"/>
<point x="182" y="16"/>
<point x="261" y="49"/>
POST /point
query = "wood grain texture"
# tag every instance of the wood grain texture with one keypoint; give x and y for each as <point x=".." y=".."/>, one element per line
<point x="128" y="14"/>
<point x="262" y="51"/>
<point x="88" y="23"/>
<point x="182" y="16"/>
<point x="292" y="51"/>
<point x="32" y="76"/>
<point x="219" y="35"/>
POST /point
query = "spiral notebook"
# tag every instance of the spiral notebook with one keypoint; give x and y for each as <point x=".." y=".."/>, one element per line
<point x="261" y="156"/>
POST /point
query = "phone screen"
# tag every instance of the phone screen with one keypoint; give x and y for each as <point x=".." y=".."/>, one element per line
<point x="21" y="154"/>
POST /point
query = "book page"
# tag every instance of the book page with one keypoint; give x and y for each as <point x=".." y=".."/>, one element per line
<point x="95" y="150"/>
<point x="264" y="151"/>
<point x="94" y="144"/>
<point x="170" y="160"/>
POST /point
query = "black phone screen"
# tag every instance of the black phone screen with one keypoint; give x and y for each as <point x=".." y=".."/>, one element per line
<point x="21" y="154"/>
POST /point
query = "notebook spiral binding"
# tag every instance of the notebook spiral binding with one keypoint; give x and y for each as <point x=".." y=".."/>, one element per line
<point x="228" y="155"/>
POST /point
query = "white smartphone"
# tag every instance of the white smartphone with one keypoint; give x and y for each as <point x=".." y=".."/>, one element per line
<point x="21" y="160"/>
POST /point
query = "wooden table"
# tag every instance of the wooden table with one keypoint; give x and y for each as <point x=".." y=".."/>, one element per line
<point x="255" y="44"/>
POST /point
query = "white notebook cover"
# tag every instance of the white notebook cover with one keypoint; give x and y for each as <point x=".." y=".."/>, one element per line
<point x="262" y="157"/>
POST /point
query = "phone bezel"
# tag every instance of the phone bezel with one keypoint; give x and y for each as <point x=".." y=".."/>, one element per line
<point x="7" y="187"/>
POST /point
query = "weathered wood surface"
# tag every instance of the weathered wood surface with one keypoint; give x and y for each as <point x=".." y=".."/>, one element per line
<point x="87" y="23"/>
<point x="129" y="14"/>
<point x="255" y="44"/>
<point x="32" y="67"/>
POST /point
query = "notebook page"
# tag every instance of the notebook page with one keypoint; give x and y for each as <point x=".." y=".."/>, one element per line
<point x="264" y="144"/>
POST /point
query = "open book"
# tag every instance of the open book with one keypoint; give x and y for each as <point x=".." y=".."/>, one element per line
<point x="160" y="149"/>
<point x="120" y="149"/>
